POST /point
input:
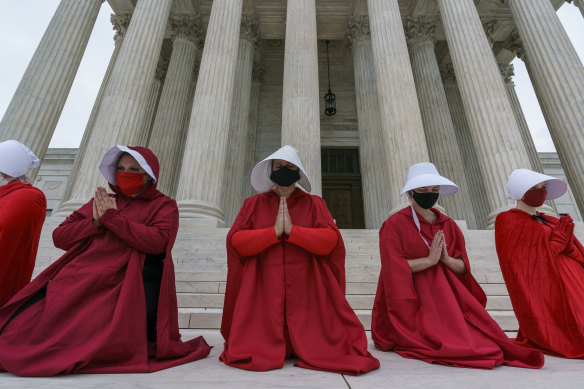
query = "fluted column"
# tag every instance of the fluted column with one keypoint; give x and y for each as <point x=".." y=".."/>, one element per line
<point x="201" y="184"/>
<point x="440" y="135"/>
<point x="300" y="101"/>
<point x="35" y="108"/>
<point x="254" y="106"/>
<point x="120" y="117"/>
<point x="507" y="72"/>
<point x="120" y="24"/>
<point x="168" y="131"/>
<point x="558" y="77"/>
<point x="579" y="4"/>
<point x="472" y="170"/>
<point x="494" y="130"/>
<point x="401" y="120"/>
<point x="238" y="146"/>
<point x="376" y="203"/>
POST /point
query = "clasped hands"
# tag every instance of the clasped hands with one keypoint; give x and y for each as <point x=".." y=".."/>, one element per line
<point x="101" y="203"/>
<point x="562" y="235"/>
<point x="438" y="251"/>
<point x="283" y="223"/>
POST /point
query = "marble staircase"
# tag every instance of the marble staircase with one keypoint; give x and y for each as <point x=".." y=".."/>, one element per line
<point x="200" y="262"/>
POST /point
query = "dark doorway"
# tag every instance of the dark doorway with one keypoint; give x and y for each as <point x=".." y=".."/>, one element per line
<point x="341" y="186"/>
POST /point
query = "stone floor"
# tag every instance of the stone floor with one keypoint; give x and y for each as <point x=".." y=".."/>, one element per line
<point x="395" y="371"/>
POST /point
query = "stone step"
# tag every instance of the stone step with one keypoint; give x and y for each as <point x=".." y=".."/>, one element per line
<point x="210" y="318"/>
<point x="356" y="301"/>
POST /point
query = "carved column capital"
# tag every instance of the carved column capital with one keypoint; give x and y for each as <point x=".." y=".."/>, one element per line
<point x="250" y="29"/>
<point x="120" y="25"/>
<point x="258" y="72"/>
<point x="447" y="74"/>
<point x="187" y="27"/>
<point x="358" y="29"/>
<point x="420" y="30"/>
<point x="161" y="69"/>
<point x="507" y="71"/>
<point x="489" y="25"/>
<point x="515" y="45"/>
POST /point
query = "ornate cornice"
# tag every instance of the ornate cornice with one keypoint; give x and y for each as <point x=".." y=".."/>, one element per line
<point x="358" y="29"/>
<point x="120" y="25"/>
<point x="515" y="45"/>
<point x="250" y="29"/>
<point x="187" y="27"/>
<point x="489" y="25"/>
<point x="420" y="30"/>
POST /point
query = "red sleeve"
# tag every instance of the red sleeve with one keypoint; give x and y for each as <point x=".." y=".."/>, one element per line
<point x="318" y="241"/>
<point x="150" y="239"/>
<point x="77" y="227"/>
<point x="252" y="242"/>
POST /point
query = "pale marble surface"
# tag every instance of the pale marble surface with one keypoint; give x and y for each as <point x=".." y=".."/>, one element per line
<point x="395" y="371"/>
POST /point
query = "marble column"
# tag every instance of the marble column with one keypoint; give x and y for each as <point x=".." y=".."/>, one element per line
<point x="168" y="131"/>
<point x="440" y="135"/>
<point x="558" y="77"/>
<point x="300" y="101"/>
<point x="472" y="170"/>
<point x="120" y="24"/>
<point x="494" y="130"/>
<point x="143" y="137"/>
<point x="120" y="117"/>
<point x="201" y="184"/>
<point x="507" y="72"/>
<point x="35" y="108"/>
<point x="579" y="4"/>
<point x="376" y="203"/>
<point x="254" y="106"/>
<point x="401" y="120"/>
<point x="238" y="142"/>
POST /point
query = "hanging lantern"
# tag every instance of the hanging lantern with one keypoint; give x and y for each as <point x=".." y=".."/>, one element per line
<point x="330" y="105"/>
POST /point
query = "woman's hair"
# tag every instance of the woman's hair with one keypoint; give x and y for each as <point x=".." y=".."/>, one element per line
<point x="23" y="179"/>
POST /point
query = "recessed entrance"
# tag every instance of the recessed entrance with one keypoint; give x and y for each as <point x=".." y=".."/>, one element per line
<point x="341" y="186"/>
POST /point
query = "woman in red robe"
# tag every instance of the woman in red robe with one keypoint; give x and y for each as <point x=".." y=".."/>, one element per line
<point x="543" y="266"/>
<point x="428" y="306"/>
<point x="285" y="293"/>
<point x="108" y="305"/>
<point x="22" y="213"/>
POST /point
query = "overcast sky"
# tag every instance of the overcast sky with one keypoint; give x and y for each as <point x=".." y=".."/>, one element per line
<point x="23" y="23"/>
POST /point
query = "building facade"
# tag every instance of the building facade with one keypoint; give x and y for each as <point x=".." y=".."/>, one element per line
<point x="215" y="86"/>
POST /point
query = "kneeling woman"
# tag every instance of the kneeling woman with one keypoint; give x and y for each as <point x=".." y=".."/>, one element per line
<point x="285" y="291"/>
<point x="428" y="306"/>
<point x="543" y="266"/>
<point x="108" y="305"/>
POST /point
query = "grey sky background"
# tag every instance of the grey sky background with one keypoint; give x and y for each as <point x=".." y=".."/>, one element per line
<point x="23" y="23"/>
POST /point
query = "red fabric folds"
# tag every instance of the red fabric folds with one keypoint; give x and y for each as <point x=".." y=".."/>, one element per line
<point x="22" y="213"/>
<point x="286" y="299"/>
<point x="435" y="315"/>
<point x="543" y="268"/>
<point x="93" y="318"/>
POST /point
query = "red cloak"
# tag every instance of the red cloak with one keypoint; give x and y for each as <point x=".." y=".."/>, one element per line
<point x="22" y="213"/>
<point x="436" y="315"/>
<point x="546" y="285"/>
<point x="93" y="318"/>
<point x="287" y="286"/>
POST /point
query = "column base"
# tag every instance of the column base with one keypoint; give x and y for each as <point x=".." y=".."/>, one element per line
<point x="70" y="206"/>
<point x="208" y="213"/>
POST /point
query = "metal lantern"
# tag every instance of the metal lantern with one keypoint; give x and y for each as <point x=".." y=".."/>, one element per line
<point x="329" y="98"/>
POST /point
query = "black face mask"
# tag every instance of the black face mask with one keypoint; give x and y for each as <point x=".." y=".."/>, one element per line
<point x="285" y="176"/>
<point x="425" y="200"/>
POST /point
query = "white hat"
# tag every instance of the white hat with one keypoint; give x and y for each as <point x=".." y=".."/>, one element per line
<point x="521" y="180"/>
<point x="425" y="174"/>
<point x="260" y="175"/>
<point x="16" y="159"/>
<point x="109" y="164"/>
